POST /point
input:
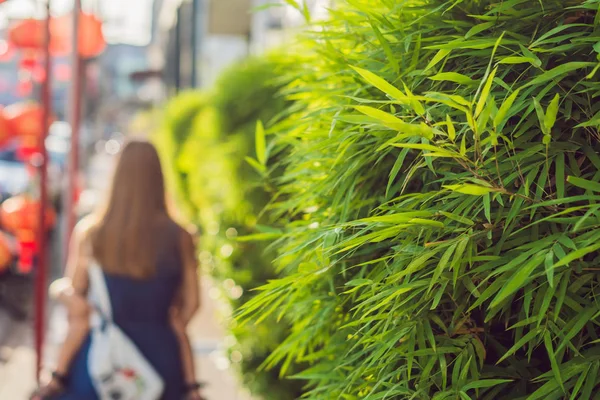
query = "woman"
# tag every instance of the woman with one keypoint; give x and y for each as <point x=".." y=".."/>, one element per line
<point x="150" y="269"/>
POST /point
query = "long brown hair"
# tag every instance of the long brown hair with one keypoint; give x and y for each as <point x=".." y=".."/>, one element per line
<point x="125" y="233"/>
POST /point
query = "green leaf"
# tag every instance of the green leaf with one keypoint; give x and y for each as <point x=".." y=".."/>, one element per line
<point x="484" y="383"/>
<point x="540" y="114"/>
<point x="386" y="47"/>
<point x="549" y="265"/>
<point x="396" y="123"/>
<point x="479" y="28"/>
<point x="453" y="77"/>
<point x="557" y="72"/>
<point x="500" y="117"/>
<point x="582" y="319"/>
<point x="260" y="168"/>
<point x="469" y="188"/>
<point x="584" y="183"/>
<point x="451" y="129"/>
<point x="529" y="337"/>
<point x="440" y="55"/>
<point x="518" y="279"/>
<point x="574" y="255"/>
<point x="381" y="84"/>
<point x="485" y="92"/>
<point x="551" y="112"/>
<point x="553" y="363"/>
<point x="521" y="60"/>
<point x="261" y="146"/>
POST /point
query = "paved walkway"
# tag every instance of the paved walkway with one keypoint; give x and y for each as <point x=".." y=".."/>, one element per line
<point x="17" y="358"/>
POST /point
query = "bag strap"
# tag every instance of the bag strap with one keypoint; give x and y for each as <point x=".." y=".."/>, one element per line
<point x="99" y="291"/>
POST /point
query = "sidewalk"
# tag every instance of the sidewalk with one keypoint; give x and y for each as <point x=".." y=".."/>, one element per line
<point x="17" y="357"/>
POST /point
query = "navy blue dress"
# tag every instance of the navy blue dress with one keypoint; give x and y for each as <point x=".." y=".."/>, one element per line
<point x="141" y="310"/>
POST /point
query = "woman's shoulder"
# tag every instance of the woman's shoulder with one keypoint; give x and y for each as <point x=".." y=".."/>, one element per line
<point x="84" y="228"/>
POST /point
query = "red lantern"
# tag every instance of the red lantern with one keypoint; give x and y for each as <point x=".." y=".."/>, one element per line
<point x="29" y="60"/>
<point x="6" y="254"/>
<point x="27" y="250"/>
<point x="91" y="38"/>
<point x="27" y="34"/>
<point x="25" y="119"/>
<point x="31" y="34"/>
<point x="5" y="133"/>
<point x="29" y="146"/>
<point x="20" y="214"/>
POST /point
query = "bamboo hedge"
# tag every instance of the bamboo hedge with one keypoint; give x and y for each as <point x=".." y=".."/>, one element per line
<point x="439" y="209"/>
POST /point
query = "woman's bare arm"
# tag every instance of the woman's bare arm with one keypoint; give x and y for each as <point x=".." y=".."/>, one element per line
<point x="186" y="305"/>
<point x="73" y="297"/>
<point x="189" y="300"/>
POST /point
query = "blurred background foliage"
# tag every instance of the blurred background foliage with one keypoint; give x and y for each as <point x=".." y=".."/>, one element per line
<point x="206" y="137"/>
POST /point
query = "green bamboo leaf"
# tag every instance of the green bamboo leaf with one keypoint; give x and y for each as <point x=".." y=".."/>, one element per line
<point x="584" y="183"/>
<point x="485" y="92"/>
<point x="453" y="77"/>
<point x="588" y="387"/>
<point x="529" y="337"/>
<point x="471" y="189"/>
<point x="484" y="383"/>
<point x="395" y="169"/>
<point x="458" y="218"/>
<point x="582" y="319"/>
<point x="442" y="265"/>
<point x="479" y="28"/>
<point x="440" y="55"/>
<point x="425" y="147"/>
<point x="500" y="117"/>
<point x="557" y="72"/>
<point x="553" y="363"/>
<point x="518" y="279"/>
<point x="386" y="48"/>
<point x="261" y="146"/>
<point x="413" y="100"/>
<point x="451" y="129"/>
<point x="521" y="60"/>
<point x="551" y="112"/>
<point x="574" y="255"/>
<point x="463" y="146"/>
<point x="579" y="384"/>
<point x="395" y="123"/>
<point x="549" y="265"/>
<point x="541" y="116"/>
<point x="359" y="282"/>
<point x="487" y="207"/>
<point x="260" y="168"/>
<point x="381" y="84"/>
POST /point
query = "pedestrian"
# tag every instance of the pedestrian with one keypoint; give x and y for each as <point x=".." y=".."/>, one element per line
<point x="149" y="271"/>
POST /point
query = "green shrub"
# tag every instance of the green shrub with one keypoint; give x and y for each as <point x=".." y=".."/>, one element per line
<point x="440" y="204"/>
<point x="224" y="196"/>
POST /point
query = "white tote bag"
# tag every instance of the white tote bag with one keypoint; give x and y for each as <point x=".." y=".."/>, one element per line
<point x="116" y="366"/>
